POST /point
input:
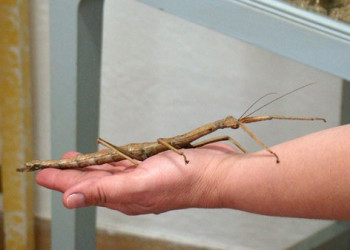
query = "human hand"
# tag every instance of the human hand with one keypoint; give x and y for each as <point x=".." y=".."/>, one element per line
<point x="158" y="184"/>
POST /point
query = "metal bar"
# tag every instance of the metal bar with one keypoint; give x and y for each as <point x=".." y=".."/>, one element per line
<point x="345" y="108"/>
<point x="335" y="236"/>
<point x="301" y="35"/>
<point x="76" y="35"/>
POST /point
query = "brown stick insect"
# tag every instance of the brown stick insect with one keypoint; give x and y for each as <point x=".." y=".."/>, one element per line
<point x="142" y="151"/>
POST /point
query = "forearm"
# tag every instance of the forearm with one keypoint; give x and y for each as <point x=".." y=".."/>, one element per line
<point x="312" y="180"/>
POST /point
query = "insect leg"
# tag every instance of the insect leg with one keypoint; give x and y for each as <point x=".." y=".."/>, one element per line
<point x="163" y="142"/>
<point x="116" y="149"/>
<point x="278" y="117"/>
<point x="250" y="133"/>
<point x="219" y="138"/>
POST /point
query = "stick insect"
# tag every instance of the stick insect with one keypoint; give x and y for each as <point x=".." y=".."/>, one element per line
<point x="142" y="151"/>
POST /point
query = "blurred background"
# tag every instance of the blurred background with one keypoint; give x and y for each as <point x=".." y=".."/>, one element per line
<point x="162" y="76"/>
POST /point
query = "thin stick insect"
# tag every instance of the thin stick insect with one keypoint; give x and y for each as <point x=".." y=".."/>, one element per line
<point x="142" y="151"/>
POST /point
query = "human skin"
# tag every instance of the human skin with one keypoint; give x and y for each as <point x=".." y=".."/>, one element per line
<point x="311" y="181"/>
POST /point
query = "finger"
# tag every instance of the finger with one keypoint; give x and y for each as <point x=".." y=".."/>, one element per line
<point x="70" y="154"/>
<point x="99" y="192"/>
<point x="61" y="180"/>
<point x="48" y="177"/>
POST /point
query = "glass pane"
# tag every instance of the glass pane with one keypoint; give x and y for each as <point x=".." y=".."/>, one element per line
<point x="336" y="9"/>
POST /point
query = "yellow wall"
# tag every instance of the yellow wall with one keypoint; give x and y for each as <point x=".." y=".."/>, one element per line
<point x="15" y="124"/>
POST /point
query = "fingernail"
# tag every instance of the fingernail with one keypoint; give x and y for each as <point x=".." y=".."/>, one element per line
<point x="76" y="201"/>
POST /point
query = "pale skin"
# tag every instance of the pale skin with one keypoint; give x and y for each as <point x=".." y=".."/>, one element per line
<point x="311" y="181"/>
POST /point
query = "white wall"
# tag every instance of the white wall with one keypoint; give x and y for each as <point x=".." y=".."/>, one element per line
<point x="162" y="76"/>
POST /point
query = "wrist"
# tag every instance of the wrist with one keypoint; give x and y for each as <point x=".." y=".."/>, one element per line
<point x="247" y="181"/>
<point x="218" y="184"/>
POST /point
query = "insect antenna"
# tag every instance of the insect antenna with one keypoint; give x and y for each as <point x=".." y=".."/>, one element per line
<point x="271" y="93"/>
<point x="276" y="99"/>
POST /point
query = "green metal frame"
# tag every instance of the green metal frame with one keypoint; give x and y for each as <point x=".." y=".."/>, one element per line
<point x="76" y="34"/>
<point x="301" y="35"/>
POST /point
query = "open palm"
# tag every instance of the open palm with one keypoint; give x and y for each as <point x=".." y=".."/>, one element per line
<point x="160" y="183"/>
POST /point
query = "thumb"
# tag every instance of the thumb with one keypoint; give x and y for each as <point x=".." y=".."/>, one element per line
<point x="96" y="192"/>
